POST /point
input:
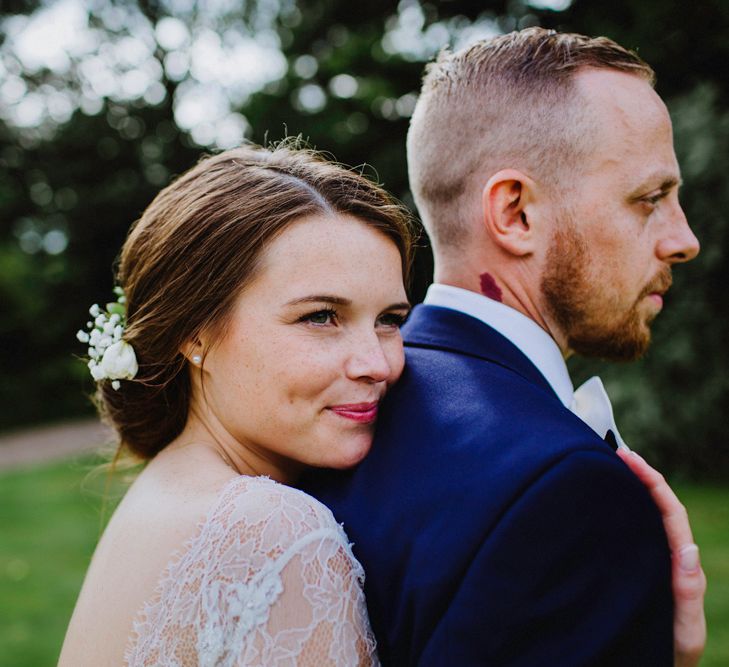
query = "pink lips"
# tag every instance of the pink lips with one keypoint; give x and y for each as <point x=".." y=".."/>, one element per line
<point x="363" y="413"/>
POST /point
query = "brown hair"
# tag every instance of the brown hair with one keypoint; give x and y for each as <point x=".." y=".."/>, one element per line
<point x="506" y="102"/>
<point x="197" y="245"/>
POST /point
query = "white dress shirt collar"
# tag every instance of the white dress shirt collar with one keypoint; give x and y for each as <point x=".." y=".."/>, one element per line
<point x="536" y="344"/>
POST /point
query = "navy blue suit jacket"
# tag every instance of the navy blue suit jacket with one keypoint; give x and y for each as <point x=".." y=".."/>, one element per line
<point x="494" y="526"/>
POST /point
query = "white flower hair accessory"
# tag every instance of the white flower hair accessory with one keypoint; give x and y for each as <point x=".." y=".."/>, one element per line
<point x="110" y="357"/>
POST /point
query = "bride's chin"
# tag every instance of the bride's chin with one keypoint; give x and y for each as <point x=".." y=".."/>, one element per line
<point x="350" y="451"/>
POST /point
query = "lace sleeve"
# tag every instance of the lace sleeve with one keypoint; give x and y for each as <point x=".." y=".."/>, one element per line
<point x="269" y="581"/>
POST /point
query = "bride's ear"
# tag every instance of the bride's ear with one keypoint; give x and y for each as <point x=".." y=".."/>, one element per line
<point x="193" y="352"/>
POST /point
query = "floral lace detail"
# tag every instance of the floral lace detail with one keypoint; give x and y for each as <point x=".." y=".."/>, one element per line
<point x="268" y="581"/>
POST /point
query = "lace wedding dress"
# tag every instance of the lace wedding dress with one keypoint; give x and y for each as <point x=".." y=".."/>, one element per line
<point x="268" y="581"/>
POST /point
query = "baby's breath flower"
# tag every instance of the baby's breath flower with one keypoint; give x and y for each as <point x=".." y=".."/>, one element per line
<point x="110" y="357"/>
<point x="119" y="362"/>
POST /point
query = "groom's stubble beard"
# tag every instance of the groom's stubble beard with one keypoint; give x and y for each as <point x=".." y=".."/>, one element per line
<point x="584" y="310"/>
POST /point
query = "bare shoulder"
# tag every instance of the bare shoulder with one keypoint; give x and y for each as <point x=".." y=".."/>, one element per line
<point x="161" y="512"/>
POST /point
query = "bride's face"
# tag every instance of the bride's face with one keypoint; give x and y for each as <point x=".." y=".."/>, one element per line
<point x="311" y="347"/>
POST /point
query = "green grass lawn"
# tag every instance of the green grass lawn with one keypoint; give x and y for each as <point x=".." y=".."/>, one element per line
<point x="708" y="507"/>
<point x="48" y="529"/>
<point x="50" y="518"/>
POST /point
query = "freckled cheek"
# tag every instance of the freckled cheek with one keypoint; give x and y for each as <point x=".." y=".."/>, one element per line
<point x="308" y="378"/>
<point x="242" y="367"/>
<point x="226" y="373"/>
<point x="398" y="368"/>
<point x="396" y="360"/>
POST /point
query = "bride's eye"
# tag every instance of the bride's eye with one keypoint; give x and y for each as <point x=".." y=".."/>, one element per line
<point x="320" y="317"/>
<point x="392" y="319"/>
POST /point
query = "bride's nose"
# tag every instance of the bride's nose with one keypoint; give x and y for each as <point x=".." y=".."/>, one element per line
<point x="367" y="359"/>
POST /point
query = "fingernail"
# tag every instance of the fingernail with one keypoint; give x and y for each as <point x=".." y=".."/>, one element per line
<point x="625" y="448"/>
<point x="688" y="557"/>
<point x="637" y="456"/>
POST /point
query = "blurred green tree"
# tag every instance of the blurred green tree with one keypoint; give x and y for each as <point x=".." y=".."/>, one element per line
<point x="147" y="85"/>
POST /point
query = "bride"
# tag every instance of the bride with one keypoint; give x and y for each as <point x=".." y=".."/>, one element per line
<point x="255" y="333"/>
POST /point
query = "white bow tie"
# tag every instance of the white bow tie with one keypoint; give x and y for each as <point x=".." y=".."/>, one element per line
<point x="591" y="403"/>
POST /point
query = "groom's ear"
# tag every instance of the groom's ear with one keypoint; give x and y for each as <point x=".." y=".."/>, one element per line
<point x="508" y="204"/>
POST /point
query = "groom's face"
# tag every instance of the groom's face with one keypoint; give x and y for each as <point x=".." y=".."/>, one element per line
<point x="599" y="315"/>
<point x="620" y="227"/>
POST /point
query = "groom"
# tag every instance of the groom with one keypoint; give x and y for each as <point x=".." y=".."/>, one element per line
<point x="495" y="526"/>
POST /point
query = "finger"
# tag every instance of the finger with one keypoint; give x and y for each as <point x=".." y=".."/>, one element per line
<point x="673" y="513"/>
<point x="689" y="586"/>
<point x="689" y="622"/>
<point x="689" y="580"/>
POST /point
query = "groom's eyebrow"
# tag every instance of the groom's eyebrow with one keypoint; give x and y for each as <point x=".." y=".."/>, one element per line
<point x="320" y="298"/>
<point x="668" y="183"/>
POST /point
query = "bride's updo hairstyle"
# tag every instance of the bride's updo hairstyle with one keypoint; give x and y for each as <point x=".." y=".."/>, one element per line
<point x="196" y="246"/>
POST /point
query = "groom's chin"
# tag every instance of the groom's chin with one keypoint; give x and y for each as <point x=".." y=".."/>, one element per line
<point x="628" y="343"/>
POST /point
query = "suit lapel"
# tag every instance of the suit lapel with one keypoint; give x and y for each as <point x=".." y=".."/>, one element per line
<point x="445" y="329"/>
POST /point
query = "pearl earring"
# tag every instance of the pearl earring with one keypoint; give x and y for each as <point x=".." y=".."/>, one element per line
<point x="196" y="359"/>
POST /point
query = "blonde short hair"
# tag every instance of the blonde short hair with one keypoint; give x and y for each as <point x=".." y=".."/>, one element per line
<point x="506" y="102"/>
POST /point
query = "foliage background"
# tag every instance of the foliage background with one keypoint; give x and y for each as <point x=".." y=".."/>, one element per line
<point x="103" y="101"/>
<point x="130" y="98"/>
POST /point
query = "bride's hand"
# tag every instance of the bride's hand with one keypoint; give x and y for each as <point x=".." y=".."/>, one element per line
<point x="689" y="581"/>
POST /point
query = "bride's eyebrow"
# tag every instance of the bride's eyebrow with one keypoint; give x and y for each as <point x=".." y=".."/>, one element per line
<point x="399" y="306"/>
<point x="340" y="301"/>
<point x="320" y="298"/>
